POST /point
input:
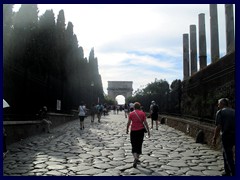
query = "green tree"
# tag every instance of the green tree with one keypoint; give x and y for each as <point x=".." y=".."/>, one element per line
<point x="25" y="29"/>
<point x="175" y="96"/>
<point x="7" y="30"/>
<point x="47" y="44"/>
<point x="47" y="63"/>
<point x="157" y="91"/>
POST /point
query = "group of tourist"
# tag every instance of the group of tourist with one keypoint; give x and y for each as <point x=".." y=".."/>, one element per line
<point x="137" y="124"/>
<point x="225" y="125"/>
<point x="98" y="110"/>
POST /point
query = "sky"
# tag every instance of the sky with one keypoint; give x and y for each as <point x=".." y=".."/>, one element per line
<point x="137" y="42"/>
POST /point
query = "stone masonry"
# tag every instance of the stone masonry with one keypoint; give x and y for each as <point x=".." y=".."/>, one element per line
<point x="104" y="149"/>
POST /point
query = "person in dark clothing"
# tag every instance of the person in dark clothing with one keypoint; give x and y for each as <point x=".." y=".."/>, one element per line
<point x="154" y="114"/>
<point x="43" y="115"/>
<point x="126" y="110"/>
<point x="93" y="111"/>
<point x="225" y="123"/>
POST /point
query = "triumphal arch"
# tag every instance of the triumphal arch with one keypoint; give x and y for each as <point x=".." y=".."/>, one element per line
<point x="116" y="88"/>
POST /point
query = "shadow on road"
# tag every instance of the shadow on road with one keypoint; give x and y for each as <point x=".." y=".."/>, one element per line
<point x="147" y="171"/>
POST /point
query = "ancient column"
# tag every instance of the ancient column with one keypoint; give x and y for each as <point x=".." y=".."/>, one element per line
<point x="214" y="33"/>
<point x="202" y="41"/>
<point x="193" y="49"/>
<point x="185" y="56"/>
<point x="230" y="42"/>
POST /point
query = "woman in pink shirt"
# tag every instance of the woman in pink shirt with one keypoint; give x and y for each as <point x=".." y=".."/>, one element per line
<point x="136" y="119"/>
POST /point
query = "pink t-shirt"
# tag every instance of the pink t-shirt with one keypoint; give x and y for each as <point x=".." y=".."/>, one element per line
<point x="136" y="124"/>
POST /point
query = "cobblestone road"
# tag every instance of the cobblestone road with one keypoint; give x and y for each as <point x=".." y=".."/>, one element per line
<point x="104" y="149"/>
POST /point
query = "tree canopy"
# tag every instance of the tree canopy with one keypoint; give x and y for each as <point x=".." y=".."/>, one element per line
<point x="43" y="62"/>
<point x="168" y="97"/>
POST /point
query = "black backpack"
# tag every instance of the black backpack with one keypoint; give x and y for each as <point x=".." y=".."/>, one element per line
<point x="155" y="108"/>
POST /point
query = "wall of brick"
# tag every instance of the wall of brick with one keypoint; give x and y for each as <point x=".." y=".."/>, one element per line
<point x="201" y="91"/>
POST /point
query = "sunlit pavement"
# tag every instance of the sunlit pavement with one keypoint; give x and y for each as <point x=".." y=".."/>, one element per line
<point x="104" y="149"/>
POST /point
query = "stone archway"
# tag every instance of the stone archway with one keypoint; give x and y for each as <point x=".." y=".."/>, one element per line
<point x="119" y="88"/>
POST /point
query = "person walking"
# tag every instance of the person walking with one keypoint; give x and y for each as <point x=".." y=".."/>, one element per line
<point x="118" y="108"/>
<point x="81" y="114"/>
<point x="136" y="119"/>
<point x="99" y="111"/>
<point x="131" y="106"/>
<point x="105" y="109"/>
<point x="125" y="110"/>
<point x="93" y="112"/>
<point x="225" y="123"/>
<point x="154" y="114"/>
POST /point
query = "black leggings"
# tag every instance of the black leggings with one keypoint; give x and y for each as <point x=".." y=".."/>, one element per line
<point x="136" y="138"/>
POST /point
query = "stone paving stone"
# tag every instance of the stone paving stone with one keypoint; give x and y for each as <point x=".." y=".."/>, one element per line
<point x="20" y="170"/>
<point x="177" y="164"/>
<point x="165" y="167"/>
<point x="211" y="173"/>
<point x="124" y="167"/>
<point x="107" y="174"/>
<point x="104" y="149"/>
<point x="91" y="171"/>
<point x="216" y="168"/>
<point x="183" y="171"/>
<point x="55" y="167"/>
<point x="79" y="168"/>
<point x="74" y="161"/>
<point x="198" y="168"/>
<point x="64" y="171"/>
<point x="116" y="163"/>
<point x="54" y="173"/>
<point x="159" y="173"/>
<point x="40" y="166"/>
<point x="85" y="156"/>
<point x="95" y="153"/>
<point x="100" y="165"/>
<point x="194" y="173"/>
<point x="28" y="174"/>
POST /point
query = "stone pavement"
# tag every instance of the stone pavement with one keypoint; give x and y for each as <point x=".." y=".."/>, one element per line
<point x="104" y="149"/>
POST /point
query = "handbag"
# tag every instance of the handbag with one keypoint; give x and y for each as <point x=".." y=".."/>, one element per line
<point x="145" y="128"/>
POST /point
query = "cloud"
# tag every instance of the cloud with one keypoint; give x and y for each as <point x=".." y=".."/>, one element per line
<point x="137" y="42"/>
<point x="138" y="67"/>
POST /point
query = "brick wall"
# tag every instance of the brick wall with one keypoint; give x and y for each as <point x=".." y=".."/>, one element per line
<point x="201" y="91"/>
